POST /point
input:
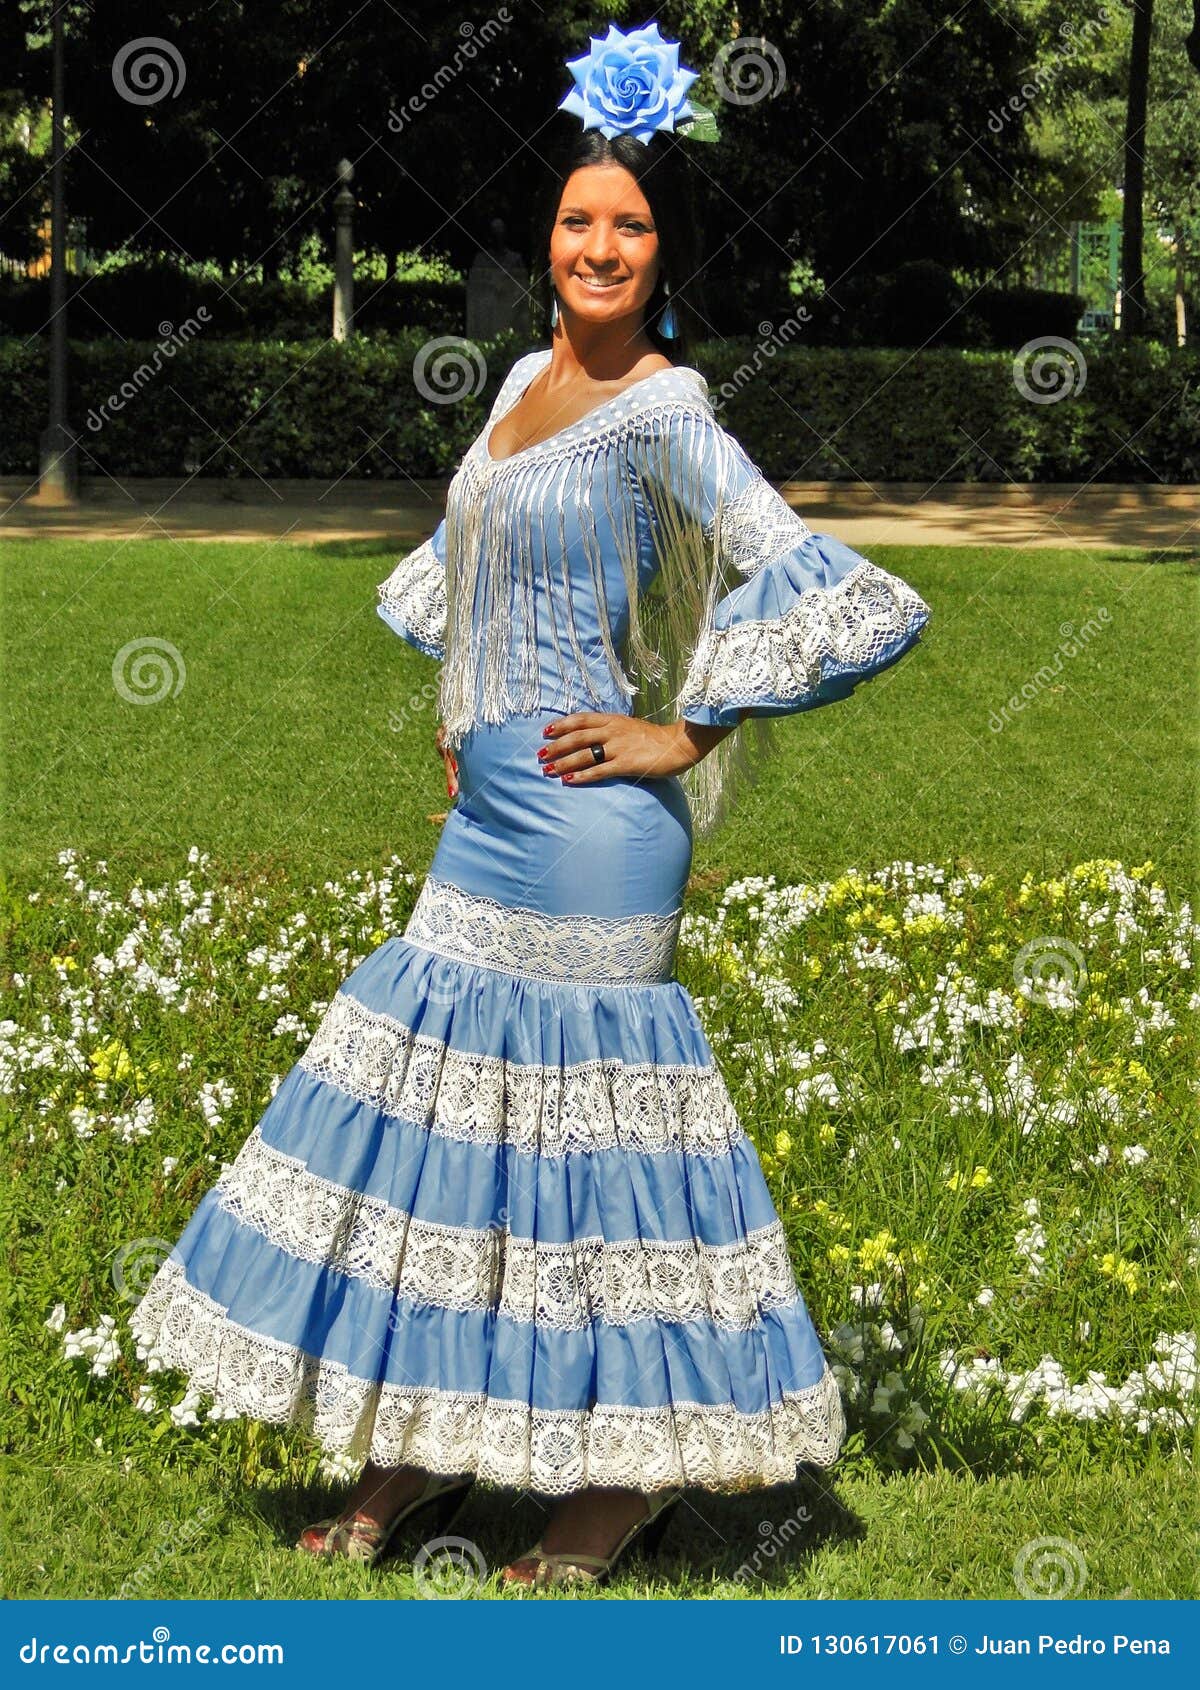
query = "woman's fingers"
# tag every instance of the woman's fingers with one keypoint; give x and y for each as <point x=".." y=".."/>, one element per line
<point x="449" y="759"/>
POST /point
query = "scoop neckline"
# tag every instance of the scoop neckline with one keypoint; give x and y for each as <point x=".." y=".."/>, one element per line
<point x="577" y="426"/>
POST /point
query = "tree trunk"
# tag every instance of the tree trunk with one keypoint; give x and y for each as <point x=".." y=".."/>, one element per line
<point x="1180" y="288"/>
<point x="1133" y="279"/>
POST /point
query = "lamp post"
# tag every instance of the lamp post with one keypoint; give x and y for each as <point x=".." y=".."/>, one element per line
<point x="343" y="257"/>
<point x="57" y="463"/>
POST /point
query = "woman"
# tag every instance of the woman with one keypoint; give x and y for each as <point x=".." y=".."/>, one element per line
<point x="502" y="1220"/>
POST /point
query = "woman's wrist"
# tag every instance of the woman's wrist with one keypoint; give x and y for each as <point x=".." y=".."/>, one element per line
<point x="694" y="740"/>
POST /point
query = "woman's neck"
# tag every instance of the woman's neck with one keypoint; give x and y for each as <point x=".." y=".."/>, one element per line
<point x="597" y="356"/>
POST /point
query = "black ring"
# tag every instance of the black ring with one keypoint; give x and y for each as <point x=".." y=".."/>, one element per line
<point x="597" y="753"/>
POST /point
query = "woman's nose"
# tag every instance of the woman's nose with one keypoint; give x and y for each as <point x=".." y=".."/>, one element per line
<point x="598" y="249"/>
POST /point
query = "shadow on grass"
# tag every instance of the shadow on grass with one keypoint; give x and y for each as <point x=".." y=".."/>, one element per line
<point x="369" y="546"/>
<point x="754" y="1539"/>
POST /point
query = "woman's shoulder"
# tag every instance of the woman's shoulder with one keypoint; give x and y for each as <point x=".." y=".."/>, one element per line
<point x="651" y="365"/>
<point x="670" y="395"/>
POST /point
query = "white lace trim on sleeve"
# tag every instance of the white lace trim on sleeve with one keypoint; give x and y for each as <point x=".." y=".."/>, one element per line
<point x="414" y="595"/>
<point x="837" y="630"/>
<point x="758" y="526"/>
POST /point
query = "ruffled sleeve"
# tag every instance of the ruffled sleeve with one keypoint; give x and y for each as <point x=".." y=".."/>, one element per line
<point x="793" y="619"/>
<point x="412" y="601"/>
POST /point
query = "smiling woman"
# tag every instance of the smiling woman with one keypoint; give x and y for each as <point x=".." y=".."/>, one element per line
<point x="502" y="1219"/>
<point x="609" y="266"/>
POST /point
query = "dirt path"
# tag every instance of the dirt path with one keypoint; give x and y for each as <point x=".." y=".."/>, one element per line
<point x="405" y="512"/>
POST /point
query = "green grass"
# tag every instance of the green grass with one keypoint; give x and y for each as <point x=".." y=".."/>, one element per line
<point x="300" y="747"/>
<point x="303" y="731"/>
<point x="87" y="1530"/>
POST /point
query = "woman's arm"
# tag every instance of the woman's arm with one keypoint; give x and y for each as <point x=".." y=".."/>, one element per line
<point x="633" y="747"/>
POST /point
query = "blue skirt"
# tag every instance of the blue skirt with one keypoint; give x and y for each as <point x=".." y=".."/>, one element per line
<point x="501" y="1216"/>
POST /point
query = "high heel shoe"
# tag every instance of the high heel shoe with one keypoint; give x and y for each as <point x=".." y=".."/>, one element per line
<point x="573" y="1567"/>
<point x="367" y="1540"/>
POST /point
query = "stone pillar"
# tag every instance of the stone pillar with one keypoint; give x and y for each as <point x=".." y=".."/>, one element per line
<point x="343" y="257"/>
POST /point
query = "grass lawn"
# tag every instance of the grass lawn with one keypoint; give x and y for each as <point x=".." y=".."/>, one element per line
<point x="85" y="1530"/>
<point x="296" y="747"/>
<point x="302" y="730"/>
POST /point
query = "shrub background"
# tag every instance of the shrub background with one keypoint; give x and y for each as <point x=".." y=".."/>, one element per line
<point x="314" y="408"/>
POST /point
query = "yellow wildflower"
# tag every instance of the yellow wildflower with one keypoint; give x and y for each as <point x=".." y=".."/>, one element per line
<point x="979" y="1178"/>
<point x="830" y="1215"/>
<point x="1121" y="1271"/>
<point x="874" y="1252"/>
<point x="112" y="1061"/>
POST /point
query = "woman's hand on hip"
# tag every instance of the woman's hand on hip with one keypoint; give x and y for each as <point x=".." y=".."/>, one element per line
<point x="450" y="761"/>
<point x="633" y="748"/>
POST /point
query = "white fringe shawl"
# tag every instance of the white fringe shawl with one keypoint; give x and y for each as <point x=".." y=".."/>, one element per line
<point x="506" y="530"/>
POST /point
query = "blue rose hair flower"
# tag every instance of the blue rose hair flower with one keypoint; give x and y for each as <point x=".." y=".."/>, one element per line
<point x="631" y="84"/>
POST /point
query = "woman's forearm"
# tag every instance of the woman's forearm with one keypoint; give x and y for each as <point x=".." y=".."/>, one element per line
<point x="698" y="740"/>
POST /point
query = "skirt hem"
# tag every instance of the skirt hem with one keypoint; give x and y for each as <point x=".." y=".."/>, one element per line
<point x="710" y="1446"/>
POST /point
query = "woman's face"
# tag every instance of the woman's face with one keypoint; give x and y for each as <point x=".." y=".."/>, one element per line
<point x="603" y="247"/>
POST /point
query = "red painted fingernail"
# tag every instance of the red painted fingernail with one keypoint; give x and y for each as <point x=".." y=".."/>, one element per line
<point x="543" y="751"/>
<point x="568" y="777"/>
<point x="548" y="730"/>
<point x="548" y="769"/>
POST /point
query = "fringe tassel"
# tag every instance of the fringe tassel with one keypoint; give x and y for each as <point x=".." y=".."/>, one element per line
<point x="506" y="532"/>
<point x="680" y="476"/>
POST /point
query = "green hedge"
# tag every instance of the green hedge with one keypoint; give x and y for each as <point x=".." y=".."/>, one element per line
<point x="323" y="410"/>
<point x="131" y="302"/>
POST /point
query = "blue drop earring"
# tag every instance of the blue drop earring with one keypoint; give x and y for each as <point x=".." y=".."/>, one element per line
<point x="667" y="326"/>
<point x="553" y="310"/>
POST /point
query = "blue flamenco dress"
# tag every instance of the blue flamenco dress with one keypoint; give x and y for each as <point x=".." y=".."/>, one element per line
<point x="501" y="1217"/>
